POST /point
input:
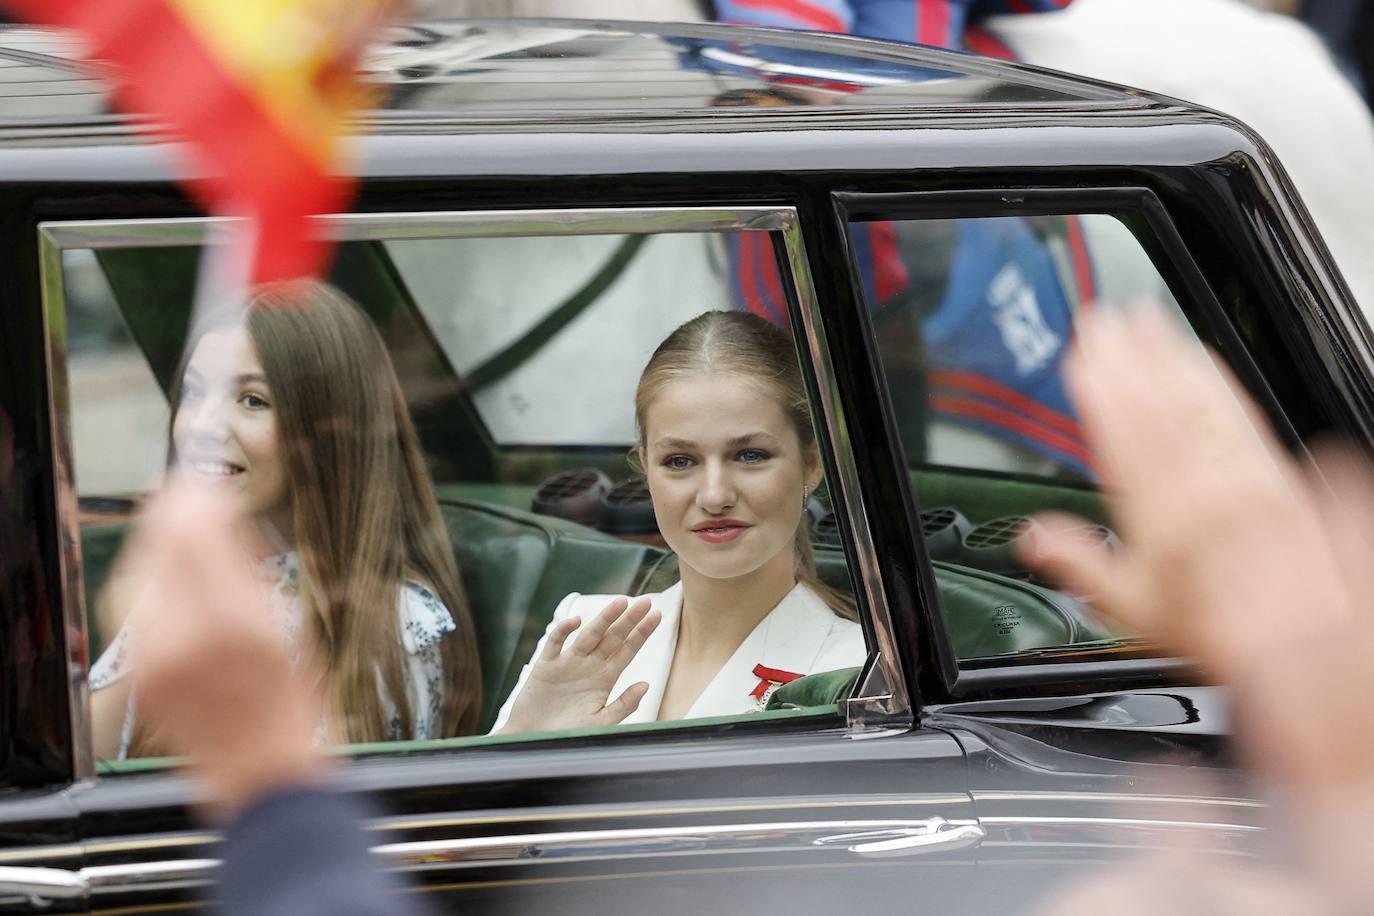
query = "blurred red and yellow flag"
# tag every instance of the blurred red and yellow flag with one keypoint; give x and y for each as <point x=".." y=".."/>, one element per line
<point x="260" y="91"/>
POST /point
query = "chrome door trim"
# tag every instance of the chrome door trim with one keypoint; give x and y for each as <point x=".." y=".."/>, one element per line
<point x="994" y="821"/>
<point x="861" y="837"/>
<point x="70" y="566"/>
<point x="939" y="836"/>
<point x="634" y="843"/>
<point x="146" y="846"/>
<point x="881" y="697"/>
<point x="39" y="887"/>
<point x="1116" y="834"/>
<point x="432" y="224"/>
<point x="1117" y="798"/>
<point x="149" y="876"/>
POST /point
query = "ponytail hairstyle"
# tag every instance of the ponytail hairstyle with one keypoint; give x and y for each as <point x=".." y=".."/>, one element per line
<point x="745" y="344"/>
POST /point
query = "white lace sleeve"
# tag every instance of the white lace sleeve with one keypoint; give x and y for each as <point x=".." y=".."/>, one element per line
<point x="424" y="622"/>
<point x="111" y="668"/>
<point x="113" y="664"/>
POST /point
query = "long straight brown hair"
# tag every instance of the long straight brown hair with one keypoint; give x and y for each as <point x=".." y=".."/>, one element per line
<point x="747" y="345"/>
<point x="363" y="508"/>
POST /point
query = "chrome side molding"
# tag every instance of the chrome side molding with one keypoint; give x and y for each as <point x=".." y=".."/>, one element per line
<point x="595" y="845"/>
<point x="938" y="835"/>
<point x="42" y="886"/>
<point x="39" y="887"/>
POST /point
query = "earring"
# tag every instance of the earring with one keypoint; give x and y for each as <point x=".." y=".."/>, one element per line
<point x="804" y="494"/>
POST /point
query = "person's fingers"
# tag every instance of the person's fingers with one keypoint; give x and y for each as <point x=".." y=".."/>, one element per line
<point x="623" y="627"/>
<point x="592" y="634"/>
<point x="1157" y="405"/>
<point x="557" y="635"/>
<point x="1342" y="486"/>
<point x="615" y="712"/>
<point x="1209" y="407"/>
<point x="166" y="555"/>
<point x="1060" y="549"/>
<point x="207" y="582"/>
<point x="635" y="641"/>
<point x="1109" y="381"/>
<point x="203" y="595"/>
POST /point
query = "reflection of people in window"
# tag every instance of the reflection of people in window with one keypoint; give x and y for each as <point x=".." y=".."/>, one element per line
<point x="295" y="406"/>
<point x="729" y="452"/>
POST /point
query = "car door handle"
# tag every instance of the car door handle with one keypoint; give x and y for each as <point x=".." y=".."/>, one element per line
<point x="40" y="886"/>
<point x="936" y="835"/>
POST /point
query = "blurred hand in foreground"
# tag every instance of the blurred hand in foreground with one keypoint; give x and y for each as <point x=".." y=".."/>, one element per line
<point x="213" y="678"/>
<point x="1239" y="558"/>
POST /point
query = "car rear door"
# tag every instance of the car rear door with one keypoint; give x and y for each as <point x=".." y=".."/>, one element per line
<point x="806" y="807"/>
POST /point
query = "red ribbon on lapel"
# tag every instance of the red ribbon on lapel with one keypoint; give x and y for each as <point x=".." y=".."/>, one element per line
<point x="771" y="676"/>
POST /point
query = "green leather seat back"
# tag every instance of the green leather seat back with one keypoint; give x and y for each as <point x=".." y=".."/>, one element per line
<point x="99" y="546"/>
<point x="987" y="614"/>
<point x="830" y="566"/>
<point x="826" y="688"/>
<point x="516" y="566"/>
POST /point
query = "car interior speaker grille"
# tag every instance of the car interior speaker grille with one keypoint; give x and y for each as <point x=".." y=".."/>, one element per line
<point x="628" y="509"/>
<point x="991" y="545"/>
<point x="943" y="529"/>
<point x="573" y="495"/>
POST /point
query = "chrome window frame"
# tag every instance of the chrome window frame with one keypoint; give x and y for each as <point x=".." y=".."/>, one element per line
<point x="881" y="697"/>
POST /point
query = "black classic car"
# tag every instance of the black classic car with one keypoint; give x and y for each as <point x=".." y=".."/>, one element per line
<point x="541" y="201"/>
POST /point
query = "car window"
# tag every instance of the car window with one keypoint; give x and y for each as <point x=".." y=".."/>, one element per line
<point x="516" y="361"/>
<point x="973" y="318"/>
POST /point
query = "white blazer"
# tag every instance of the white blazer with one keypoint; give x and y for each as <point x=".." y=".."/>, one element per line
<point x="801" y="636"/>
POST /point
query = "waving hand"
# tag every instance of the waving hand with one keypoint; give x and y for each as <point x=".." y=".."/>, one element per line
<point x="569" y="685"/>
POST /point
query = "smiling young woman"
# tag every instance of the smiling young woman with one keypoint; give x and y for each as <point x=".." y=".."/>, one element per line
<point x="293" y="405"/>
<point x="729" y="453"/>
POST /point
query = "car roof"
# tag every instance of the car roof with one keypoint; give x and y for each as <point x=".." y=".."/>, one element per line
<point x="562" y="71"/>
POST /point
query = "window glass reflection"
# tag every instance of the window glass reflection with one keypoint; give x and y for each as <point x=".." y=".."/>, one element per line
<point x="973" y="319"/>
<point x="444" y="457"/>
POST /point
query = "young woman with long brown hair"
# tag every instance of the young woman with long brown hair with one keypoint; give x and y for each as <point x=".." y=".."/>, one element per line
<point x="729" y="452"/>
<point x="294" y="405"/>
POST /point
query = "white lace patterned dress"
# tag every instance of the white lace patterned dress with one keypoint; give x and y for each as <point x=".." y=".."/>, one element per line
<point x="423" y="620"/>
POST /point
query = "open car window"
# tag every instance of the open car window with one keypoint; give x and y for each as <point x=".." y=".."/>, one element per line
<point x="517" y="353"/>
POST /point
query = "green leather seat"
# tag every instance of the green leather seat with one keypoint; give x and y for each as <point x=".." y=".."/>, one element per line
<point x="516" y="566"/>
<point x="826" y="688"/>
<point x="99" y="546"/>
<point x="985" y="614"/>
<point x="830" y="566"/>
